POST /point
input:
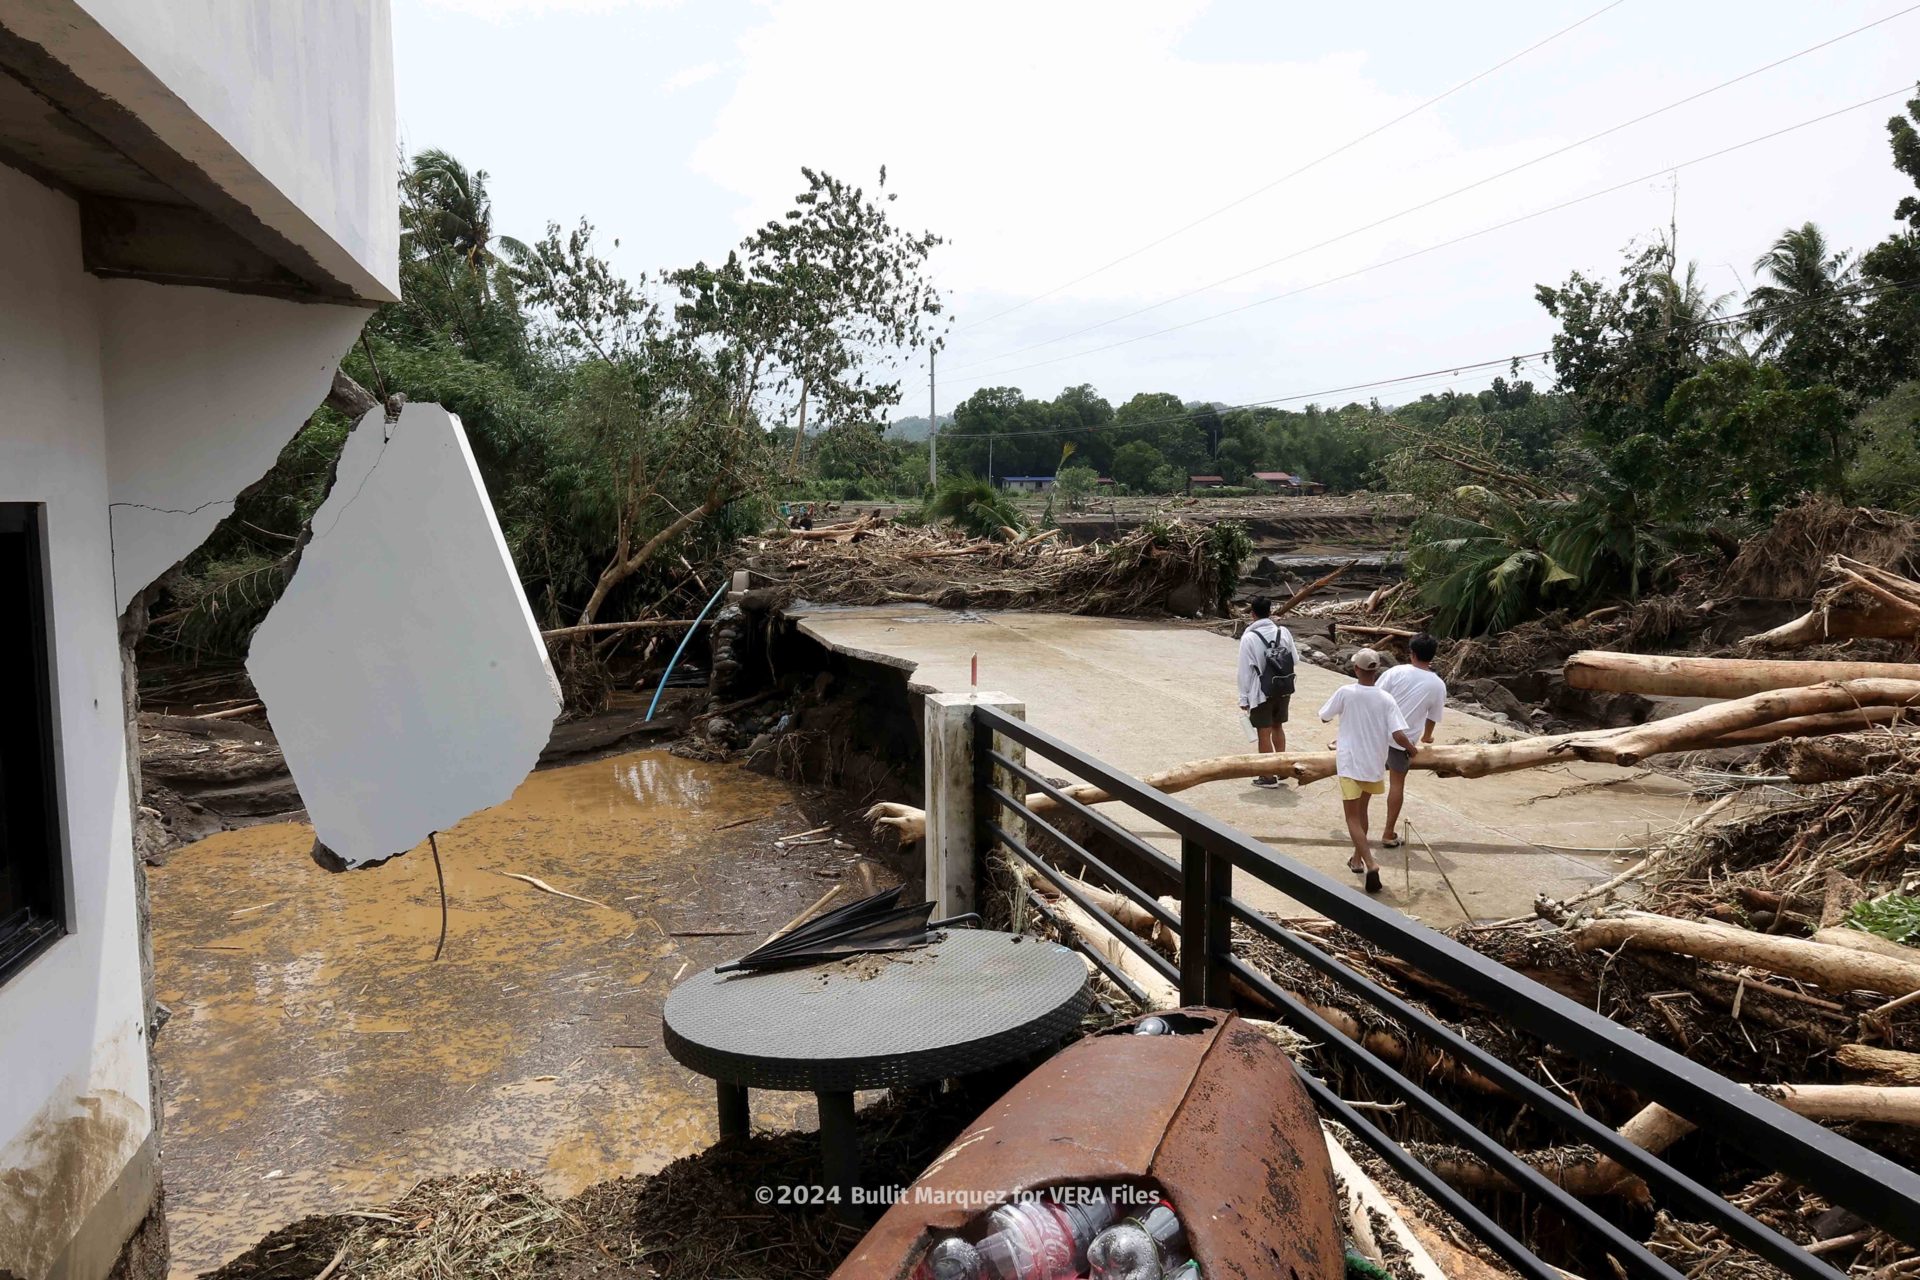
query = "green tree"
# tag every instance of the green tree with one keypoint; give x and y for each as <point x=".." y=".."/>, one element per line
<point x="1891" y="316"/>
<point x="816" y="302"/>
<point x="1742" y="440"/>
<point x="1076" y="484"/>
<point x="1160" y="419"/>
<point x="1886" y="470"/>
<point x="1134" y="465"/>
<point x="1805" y="314"/>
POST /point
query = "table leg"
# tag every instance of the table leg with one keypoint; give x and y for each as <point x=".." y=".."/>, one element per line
<point x="839" y="1148"/>
<point x="735" y="1118"/>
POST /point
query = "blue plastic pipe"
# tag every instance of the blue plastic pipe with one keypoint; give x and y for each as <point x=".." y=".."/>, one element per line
<point x="668" y="674"/>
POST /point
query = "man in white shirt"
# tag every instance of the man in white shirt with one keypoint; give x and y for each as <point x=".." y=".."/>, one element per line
<point x="1422" y="696"/>
<point x="1370" y="724"/>
<point x="1268" y="656"/>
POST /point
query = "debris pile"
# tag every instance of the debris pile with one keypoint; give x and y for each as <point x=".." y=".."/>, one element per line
<point x="1161" y="567"/>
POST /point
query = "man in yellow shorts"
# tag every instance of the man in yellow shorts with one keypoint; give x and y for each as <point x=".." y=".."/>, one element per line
<point x="1370" y="722"/>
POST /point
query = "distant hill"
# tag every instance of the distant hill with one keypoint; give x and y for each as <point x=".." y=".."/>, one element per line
<point x="914" y="428"/>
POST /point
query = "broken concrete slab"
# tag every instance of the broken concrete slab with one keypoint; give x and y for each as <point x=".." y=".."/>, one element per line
<point x="203" y="389"/>
<point x="402" y="669"/>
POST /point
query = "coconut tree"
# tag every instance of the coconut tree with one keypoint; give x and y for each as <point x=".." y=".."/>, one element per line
<point x="447" y="210"/>
<point x="1805" y="315"/>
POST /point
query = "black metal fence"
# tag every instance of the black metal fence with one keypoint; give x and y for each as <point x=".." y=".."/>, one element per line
<point x="1845" y="1173"/>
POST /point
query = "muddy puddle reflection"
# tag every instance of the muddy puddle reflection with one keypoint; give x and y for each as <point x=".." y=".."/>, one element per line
<point x="319" y="1061"/>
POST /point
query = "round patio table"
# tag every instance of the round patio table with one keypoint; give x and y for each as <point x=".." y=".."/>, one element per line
<point x="971" y="1000"/>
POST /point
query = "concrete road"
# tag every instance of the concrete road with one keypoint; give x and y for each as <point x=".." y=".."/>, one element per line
<point x="1146" y="695"/>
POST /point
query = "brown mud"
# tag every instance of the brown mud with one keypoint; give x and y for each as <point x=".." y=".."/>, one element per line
<point x="318" y="1059"/>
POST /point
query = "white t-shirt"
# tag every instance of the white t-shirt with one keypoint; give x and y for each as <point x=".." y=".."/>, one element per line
<point x="1253" y="651"/>
<point x="1422" y="695"/>
<point x="1369" y="717"/>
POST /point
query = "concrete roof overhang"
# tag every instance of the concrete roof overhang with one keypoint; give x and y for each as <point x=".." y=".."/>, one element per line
<point x="162" y="195"/>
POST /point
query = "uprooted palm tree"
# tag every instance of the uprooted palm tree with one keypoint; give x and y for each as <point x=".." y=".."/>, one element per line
<point x="974" y="505"/>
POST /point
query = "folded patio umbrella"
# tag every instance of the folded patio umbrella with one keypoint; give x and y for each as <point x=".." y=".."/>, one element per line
<point x="877" y="923"/>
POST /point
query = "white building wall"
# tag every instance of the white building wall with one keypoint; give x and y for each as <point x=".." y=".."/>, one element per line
<point x="301" y="90"/>
<point x="203" y="390"/>
<point x="73" y="1059"/>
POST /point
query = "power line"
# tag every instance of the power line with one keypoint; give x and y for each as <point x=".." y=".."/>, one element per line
<point x="1446" y="244"/>
<point x="1288" y="177"/>
<point x="1446" y="373"/>
<point x="1440" y="199"/>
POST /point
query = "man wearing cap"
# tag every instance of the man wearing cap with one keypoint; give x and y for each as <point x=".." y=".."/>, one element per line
<point x="1371" y="722"/>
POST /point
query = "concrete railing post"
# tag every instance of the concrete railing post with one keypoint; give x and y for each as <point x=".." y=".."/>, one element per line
<point x="955" y="812"/>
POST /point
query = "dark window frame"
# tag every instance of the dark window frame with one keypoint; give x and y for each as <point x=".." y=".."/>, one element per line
<point x="32" y="839"/>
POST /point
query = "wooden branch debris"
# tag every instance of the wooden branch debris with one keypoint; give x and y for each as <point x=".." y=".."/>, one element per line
<point x="602" y="628"/>
<point x="1324" y="580"/>
<point x="1859" y="602"/>
<point x="846" y="532"/>
<point x="1833" y="968"/>
<point x="1891" y="1066"/>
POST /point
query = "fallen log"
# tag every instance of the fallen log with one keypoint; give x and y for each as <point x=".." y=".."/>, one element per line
<point x="1894" y="1066"/>
<point x="1831" y="967"/>
<point x="1324" y="580"/>
<point x="1761" y="717"/>
<point x="1861" y="940"/>
<point x="1715" y="677"/>
<point x="1860" y="603"/>
<point x="602" y="628"/>
<point x="1654" y="1129"/>
<point x="1389" y="633"/>
<point x="1366" y="1204"/>
<point x="1818" y="726"/>
<point x="832" y="532"/>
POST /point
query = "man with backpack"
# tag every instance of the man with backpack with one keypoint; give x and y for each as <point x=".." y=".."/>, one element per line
<point x="1268" y="656"/>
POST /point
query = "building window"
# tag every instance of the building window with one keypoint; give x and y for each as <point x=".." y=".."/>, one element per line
<point x="33" y="908"/>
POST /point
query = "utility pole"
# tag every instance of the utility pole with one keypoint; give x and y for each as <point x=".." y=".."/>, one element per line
<point x="933" y="429"/>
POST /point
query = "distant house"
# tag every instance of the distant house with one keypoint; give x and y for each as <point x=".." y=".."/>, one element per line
<point x="1286" y="482"/>
<point x="1205" y="482"/>
<point x="1026" y="484"/>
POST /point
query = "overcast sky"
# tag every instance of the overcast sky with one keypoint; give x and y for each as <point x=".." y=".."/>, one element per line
<point x="1045" y="138"/>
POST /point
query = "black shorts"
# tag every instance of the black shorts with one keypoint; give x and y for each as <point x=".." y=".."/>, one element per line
<point x="1397" y="761"/>
<point x="1270" y="714"/>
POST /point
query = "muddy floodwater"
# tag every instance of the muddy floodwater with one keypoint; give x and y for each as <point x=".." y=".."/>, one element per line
<point x="319" y="1060"/>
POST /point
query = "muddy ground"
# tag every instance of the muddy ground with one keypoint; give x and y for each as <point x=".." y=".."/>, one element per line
<point x="318" y="1058"/>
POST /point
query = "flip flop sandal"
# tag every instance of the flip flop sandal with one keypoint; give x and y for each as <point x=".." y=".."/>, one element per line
<point x="1373" y="882"/>
<point x="1394" y="843"/>
<point x="1358" y="868"/>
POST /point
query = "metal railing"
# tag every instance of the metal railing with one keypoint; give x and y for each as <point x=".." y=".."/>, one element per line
<point x="1847" y="1174"/>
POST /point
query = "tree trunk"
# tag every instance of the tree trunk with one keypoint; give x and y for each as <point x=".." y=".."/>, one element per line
<point x="1831" y="967"/>
<point x="1816" y="726"/>
<point x="620" y="570"/>
<point x="1322" y="581"/>
<point x="1763" y="717"/>
<point x="1891" y="1065"/>
<point x="1861" y="940"/>
<point x="1862" y="603"/>
<point x="1715" y="677"/>
<point x="800" y="436"/>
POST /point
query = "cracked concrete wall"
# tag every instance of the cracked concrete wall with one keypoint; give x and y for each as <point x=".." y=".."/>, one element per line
<point x="74" y="1023"/>
<point x="406" y="679"/>
<point x="203" y="390"/>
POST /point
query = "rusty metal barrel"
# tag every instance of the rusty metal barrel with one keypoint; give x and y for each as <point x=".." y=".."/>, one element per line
<point x="1212" y="1115"/>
